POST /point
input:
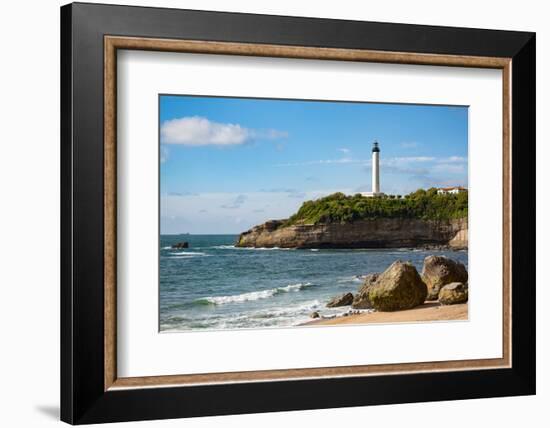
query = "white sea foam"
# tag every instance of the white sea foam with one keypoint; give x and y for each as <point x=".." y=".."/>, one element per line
<point x="348" y="279"/>
<point x="286" y="316"/>
<point x="233" y="247"/>
<point x="272" y="317"/>
<point x="188" y="256"/>
<point x="281" y="316"/>
<point x="294" y="287"/>
<point x="188" y="253"/>
<point x="255" y="295"/>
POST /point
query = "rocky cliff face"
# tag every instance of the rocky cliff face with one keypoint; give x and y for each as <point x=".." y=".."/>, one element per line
<point x="376" y="233"/>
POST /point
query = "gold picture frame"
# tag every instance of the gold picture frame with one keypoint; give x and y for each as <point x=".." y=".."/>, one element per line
<point x="114" y="43"/>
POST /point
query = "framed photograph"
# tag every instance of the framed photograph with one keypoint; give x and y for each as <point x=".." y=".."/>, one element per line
<point x="266" y="213"/>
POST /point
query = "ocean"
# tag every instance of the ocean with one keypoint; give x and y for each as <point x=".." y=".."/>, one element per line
<point x="214" y="285"/>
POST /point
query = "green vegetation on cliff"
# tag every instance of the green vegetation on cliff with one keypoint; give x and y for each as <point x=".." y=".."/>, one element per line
<point x="422" y="204"/>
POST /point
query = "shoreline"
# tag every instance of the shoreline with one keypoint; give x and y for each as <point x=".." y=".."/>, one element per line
<point x="428" y="311"/>
<point x="351" y="248"/>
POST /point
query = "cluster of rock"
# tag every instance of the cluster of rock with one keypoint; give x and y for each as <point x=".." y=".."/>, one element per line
<point x="401" y="287"/>
<point x="439" y="271"/>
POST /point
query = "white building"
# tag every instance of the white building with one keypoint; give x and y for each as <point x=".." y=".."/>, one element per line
<point x="375" y="172"/>
<point x="450" y="190"/>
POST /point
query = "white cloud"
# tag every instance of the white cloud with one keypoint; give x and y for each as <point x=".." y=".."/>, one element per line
<point x="292" y="193"/>
<point x="408" y="159"/>
<point x="348" y="160"/>
<point x="344" y="150"/>
<point x="452" y="168"/>
<point x="236" y="202"/>
<point x="202" y="214"/>
<point x="323" y="162"/>
<point x="453" y="159"/>
<point x="200" y="131"/>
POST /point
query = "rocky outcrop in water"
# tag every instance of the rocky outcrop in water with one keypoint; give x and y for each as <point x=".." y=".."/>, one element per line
<point x="373" y="233"/>
<point x="180" y="245"/>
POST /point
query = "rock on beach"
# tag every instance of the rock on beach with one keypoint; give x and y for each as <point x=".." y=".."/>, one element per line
<point x="439" y="271"/>
<point x="361" y="299"/>
<point x="398" y="287"/>
<point x="343" y="300"/>
<point x="453" y="293"/>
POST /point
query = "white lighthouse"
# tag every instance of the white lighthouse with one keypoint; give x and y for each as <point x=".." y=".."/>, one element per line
<point x="375" y="168"/>
<point x="375" y="172"/>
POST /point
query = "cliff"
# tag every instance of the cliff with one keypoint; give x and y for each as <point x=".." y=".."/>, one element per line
<point x="366" y="233"/>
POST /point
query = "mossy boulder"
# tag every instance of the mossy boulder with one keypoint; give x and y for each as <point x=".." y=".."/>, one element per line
<point x="439" y="271"/>
<point x="453" y="293"/>
<point x="361" y="299"/>
<point x="343" y="300"/>
<point x="398" y="287"/>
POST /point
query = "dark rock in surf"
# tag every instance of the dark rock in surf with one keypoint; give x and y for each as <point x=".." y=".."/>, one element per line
<point x="180" y="245"/>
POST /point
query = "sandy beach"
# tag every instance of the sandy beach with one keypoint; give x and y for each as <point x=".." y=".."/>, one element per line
<point x="429" y="311"/>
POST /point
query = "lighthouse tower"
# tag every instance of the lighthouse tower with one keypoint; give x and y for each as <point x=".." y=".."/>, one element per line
<point x="375" y="168"/>
<point x="375" y="172"/>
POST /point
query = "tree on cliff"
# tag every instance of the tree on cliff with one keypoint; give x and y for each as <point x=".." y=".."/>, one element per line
<point x="422" y="204"/>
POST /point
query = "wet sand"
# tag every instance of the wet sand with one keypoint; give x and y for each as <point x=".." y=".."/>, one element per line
<point x="429" y="311"/>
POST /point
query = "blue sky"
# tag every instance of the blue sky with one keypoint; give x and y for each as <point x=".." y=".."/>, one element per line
<point x="230" y="163"/>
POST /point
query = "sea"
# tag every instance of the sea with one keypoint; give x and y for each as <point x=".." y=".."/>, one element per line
<point x="215" y="285"/>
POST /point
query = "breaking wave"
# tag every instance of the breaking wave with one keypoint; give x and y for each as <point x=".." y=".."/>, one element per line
<point x="233" y="247"/>
<point x="255" y="295"/>
<point x="187" y="255"/>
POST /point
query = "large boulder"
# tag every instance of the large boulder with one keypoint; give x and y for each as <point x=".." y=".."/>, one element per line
<point x="398" y="287"/>
<point x="439" y="271"/>
<point x="343" y="300"/>
<point x="361" y="299"/>
<point x="453" y="293"/>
